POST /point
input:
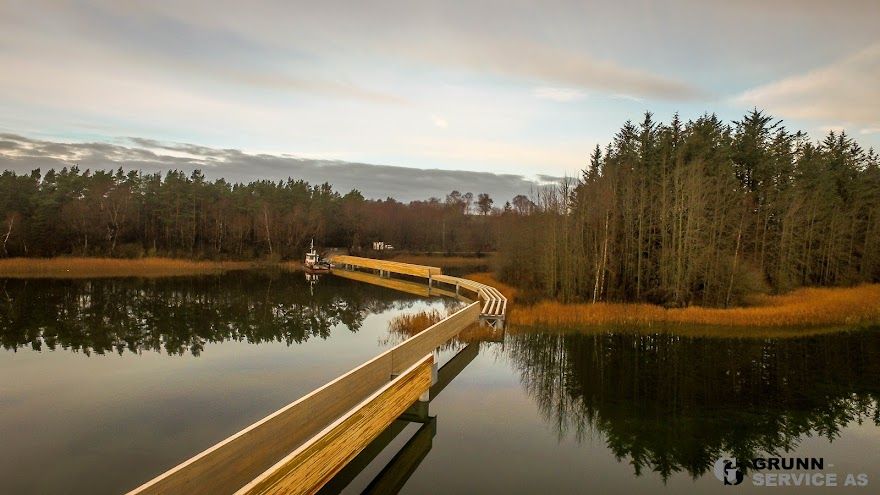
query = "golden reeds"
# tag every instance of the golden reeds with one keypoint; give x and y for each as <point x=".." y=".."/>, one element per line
<point x="112" y="267"/>
<point x="409" y="324"/>
<point x="404" y="326"/>
<point x="808" y="307"/>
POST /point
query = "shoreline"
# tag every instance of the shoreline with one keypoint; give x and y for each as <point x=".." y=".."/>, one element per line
<point x="80" y="267"/>
<point x="808" y="309"/>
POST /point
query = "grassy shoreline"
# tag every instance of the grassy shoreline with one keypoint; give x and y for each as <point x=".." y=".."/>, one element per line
<point x="63" y="267"/>
<point x="808" y="308"/>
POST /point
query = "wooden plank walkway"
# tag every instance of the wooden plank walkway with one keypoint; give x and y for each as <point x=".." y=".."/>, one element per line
<point x="299" y="448"/>
<point x="407" y="459"/>
<point x="247" y="455"/>
<point x="402" y="465"/>
<point x="494" y="304"/>
<point x="386" y="266"/>
<point x="314" y="463"/>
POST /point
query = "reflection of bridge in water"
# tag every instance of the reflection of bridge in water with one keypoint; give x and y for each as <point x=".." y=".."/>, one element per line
<point x="394" y="475"/>
<point x="327" y="437"/>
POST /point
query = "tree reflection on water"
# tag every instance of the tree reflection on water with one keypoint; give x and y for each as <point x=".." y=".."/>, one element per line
<point x="670" y="403"/>
<point x="182" y="314"/>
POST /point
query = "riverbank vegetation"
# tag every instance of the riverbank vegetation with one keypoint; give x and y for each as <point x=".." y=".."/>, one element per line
<point x="837" y="307"/>
<point x="107" y="267"/>
<point x="404" y="326"/>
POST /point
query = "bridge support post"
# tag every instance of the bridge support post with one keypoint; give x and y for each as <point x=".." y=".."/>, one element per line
<point x="436" y="366"/>
<point x="435" y="354"/>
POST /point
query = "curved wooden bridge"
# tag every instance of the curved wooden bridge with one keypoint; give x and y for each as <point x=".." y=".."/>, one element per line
<point x="494" y="304"/>
<point x="304" y="445"/>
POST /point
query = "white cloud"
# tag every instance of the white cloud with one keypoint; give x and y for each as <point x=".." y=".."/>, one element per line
<point x="440" y="122"/>
<point x="846" y="90"/>
<point x="870" y="130"/>
<point x="563" y="157"/>
<point x="23" y="154"/>
<point x="338" y="40"/>
<point x="529" y="59"/>
<point x="622" y="96"/>
<point x="562" y="95"/>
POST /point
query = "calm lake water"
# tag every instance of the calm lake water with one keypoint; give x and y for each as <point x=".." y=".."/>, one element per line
<point x="106" y="383"/>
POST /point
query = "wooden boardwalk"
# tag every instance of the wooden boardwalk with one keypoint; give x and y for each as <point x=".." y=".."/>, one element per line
<point x="383" y="266"/>
<point x="494" y="304"/>
<point x="300" y="447"/>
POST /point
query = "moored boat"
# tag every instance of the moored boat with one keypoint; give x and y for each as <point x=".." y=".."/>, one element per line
<point x="313" y="262"/>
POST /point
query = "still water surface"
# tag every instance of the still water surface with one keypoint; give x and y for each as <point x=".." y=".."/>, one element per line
<point x="105" y="383"/>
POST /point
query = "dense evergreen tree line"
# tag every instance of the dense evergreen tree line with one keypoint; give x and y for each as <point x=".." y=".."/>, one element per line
<point x="701" y="213"/>
<point x="103" y="213"/>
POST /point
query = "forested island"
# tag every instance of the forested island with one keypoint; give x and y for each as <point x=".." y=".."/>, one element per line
<point x="677" y="214"/>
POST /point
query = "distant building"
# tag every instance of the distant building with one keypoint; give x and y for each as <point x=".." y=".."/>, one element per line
<point x="381" y="246"/>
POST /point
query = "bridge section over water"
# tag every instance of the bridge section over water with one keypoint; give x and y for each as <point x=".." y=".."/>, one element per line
<point x="494" y="304"/>
<point x="302" y="446"/>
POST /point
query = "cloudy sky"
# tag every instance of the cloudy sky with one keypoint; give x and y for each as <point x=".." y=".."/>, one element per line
<point x="454" y="92"/>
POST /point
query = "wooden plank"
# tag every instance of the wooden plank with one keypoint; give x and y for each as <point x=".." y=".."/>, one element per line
<point x="312" y="465"/>
<point x="494" y="303"/>
<point x="391" y="266"/>
<point x="493" y="306"/>
<point x="356" y="466"/>
<point x="418" y="412"/>
<point x="243" y="456"/>
<point x="446" y="279"/>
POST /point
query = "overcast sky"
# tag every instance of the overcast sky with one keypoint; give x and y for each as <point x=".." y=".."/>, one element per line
<point x="449" y="92"/>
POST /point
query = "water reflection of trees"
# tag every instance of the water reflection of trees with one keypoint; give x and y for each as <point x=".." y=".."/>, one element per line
<point x="669" y="403"/>
<point x="182" y="314"/>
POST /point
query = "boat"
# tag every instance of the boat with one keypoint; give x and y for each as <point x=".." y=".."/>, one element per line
<point x="314" y="263"/>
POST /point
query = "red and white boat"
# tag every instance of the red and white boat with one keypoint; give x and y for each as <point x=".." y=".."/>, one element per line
<point x="314" y="263"/>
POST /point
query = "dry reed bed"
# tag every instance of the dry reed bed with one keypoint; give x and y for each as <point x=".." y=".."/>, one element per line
<point x="404" y="326"/>
<point x="112" y="267"/>
<point x="808" y="307"/>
